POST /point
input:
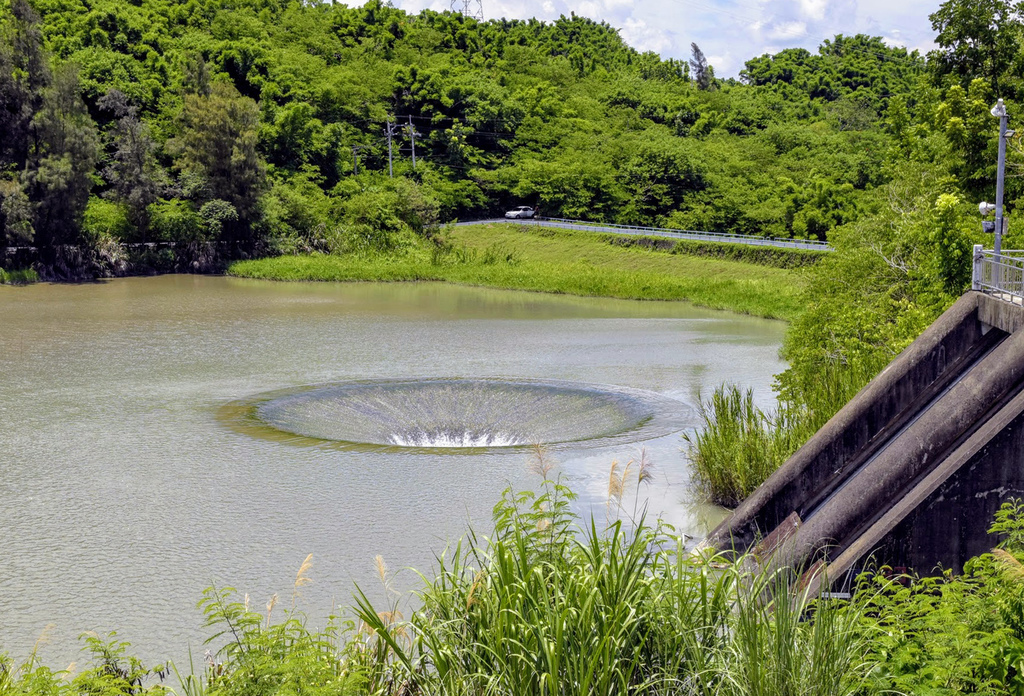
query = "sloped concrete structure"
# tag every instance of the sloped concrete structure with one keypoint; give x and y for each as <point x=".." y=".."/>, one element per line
<point x="912" y="470"/>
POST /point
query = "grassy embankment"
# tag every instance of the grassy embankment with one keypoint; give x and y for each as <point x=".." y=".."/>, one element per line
<point x="568" y="262"/>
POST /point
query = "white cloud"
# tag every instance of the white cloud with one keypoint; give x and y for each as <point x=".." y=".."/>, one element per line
<point x="728" y="31"/>
<point x="787" y="30"/>
<point x="813" y="9"/>
<point x="721" y="63"/>
<point x="644" y="38"/>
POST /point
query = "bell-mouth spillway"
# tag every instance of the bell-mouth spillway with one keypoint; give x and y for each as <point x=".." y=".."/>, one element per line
<point x="458" y="414"/>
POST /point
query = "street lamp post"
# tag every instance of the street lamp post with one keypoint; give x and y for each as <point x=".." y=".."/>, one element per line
<point x="999" y="111"/>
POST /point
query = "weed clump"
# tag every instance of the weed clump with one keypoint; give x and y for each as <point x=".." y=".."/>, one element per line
<point x="24" y="276"/>
<point x="738" y="445"/>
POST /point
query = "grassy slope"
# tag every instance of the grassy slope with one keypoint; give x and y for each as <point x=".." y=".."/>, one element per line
<point x="576" y="263"/>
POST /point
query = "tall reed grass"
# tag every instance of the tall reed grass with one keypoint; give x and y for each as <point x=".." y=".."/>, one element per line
<point x="738" y="445"/>
<point x="549" y="603"/>
<point x="552" y="604"/>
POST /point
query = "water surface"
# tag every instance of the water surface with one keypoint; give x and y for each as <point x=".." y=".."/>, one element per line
<point x="123" y="493"/>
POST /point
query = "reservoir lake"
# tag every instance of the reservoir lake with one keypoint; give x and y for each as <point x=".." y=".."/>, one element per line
<point x="132" y="475"/>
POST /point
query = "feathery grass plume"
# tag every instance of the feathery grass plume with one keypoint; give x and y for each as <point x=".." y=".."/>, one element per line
<point x="69" y="671"/>
<point x="246" y="603"/>
<point x="382" y="568"/>
<point x="618" y="480"/>
<point x="44" y="637"/>
<point x="540" y="462"/>
<point x="270" y="607"/>
<point x="302" y="578"/>
<point x="394" y="621"/>
<point x="471" y="598"/>
<point x="1011" y="568"/>
<point x="645" y="471"/>
<point x="614" y="484"/>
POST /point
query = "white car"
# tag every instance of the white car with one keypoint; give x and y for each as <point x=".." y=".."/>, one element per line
<point x="521" y="213"/>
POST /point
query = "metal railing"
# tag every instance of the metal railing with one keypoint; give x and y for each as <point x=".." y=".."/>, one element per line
<point x="694" y="235"/>
<point x="1001" y="274"/>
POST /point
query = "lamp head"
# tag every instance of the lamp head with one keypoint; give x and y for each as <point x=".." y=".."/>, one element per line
<point x="986" y="209"/>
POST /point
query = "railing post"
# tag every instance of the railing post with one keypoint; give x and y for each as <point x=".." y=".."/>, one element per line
<point x="979" y="258"/>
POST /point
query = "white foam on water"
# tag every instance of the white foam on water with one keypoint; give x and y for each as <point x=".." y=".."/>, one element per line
<point x="467" y="413"/>
<point x="464" y="439"/>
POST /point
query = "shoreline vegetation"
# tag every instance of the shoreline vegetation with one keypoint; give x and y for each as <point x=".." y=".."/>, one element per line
<point x="259" y="126"/>
<point x="567" y="262"/>
<point x="554" y="604"/>
<point x="18" y="276"/>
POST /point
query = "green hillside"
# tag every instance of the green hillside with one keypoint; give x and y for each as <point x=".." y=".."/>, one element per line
<point x="243" y="123"/>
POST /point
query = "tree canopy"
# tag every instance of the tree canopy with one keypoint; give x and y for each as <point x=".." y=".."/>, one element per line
<point x="256" y="122"/>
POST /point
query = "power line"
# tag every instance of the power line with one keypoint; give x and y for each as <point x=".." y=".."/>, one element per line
<point x="469" y="8"/>
<point x="804" y="33"/>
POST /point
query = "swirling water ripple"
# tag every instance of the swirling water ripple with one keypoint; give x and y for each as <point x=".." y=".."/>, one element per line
<point x="459" y="413"/>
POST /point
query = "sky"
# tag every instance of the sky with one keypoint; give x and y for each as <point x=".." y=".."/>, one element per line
<point x="729" y="32"/>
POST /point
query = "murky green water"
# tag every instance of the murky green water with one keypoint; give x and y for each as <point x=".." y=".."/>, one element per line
<point x="123" y="491"/>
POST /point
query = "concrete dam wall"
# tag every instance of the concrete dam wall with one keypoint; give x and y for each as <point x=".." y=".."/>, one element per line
<point x="911" y="471"/>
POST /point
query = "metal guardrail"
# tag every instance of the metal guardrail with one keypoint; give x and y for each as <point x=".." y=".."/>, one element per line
<point x="694" y="235"/>
<point x="1001" y="275"/>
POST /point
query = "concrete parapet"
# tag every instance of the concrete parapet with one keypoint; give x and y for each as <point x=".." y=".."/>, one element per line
<point x="869" y="481"/>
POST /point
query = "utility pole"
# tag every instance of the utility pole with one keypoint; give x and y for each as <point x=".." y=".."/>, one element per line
<point x="999" y="111"/>
<point x="390" y="133"/>
<point x="412" y="135"/>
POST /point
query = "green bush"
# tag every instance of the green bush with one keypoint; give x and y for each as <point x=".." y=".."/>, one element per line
<point x="176" y="221"/>
<point x="106" y="219"/>
<point x="775" y="257"/>
<point x="387" y="216"/>
<point x="951" y="634"/>
<point x="297" y="215"/>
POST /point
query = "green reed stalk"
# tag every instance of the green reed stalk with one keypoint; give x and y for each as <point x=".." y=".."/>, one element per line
<point x="738" y="445"/>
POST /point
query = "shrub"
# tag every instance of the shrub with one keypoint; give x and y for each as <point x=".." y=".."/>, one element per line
<point x="176" y="221"/>
<point x="106" y="219"/>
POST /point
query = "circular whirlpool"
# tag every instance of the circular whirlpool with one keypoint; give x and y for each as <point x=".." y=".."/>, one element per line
<point x="458" y="414"/>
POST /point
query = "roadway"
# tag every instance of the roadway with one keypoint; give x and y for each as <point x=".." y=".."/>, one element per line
<point x="608" y="228"/>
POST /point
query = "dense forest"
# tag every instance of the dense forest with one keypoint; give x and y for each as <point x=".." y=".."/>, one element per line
<point x="262" y="126"/>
